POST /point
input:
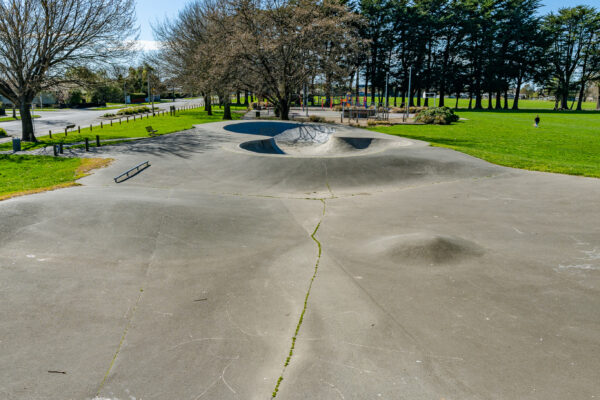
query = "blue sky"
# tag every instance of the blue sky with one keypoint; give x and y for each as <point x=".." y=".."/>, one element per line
<point x="150" y="11"/>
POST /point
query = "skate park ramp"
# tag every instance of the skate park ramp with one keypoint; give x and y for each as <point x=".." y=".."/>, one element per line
<point x="263" y="128"/>
<point x="308" y="140"/>
<point x="409" y="272"/>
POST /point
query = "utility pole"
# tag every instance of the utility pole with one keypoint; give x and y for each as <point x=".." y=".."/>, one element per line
<point x="306" y="98"/>
<point x="150" y="97"/>
<point x="387" y="76"/>
<point x="408" y="98"/>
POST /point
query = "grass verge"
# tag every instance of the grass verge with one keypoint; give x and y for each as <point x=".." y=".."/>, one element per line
<point x="565" y="142"/>
<point x="21" y="175"/>
<point x="7" y="119"/>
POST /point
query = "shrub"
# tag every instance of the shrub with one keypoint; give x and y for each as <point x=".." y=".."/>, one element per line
<point x="133" y="110"/>
<point x="337" y="108"/>
<point x="2" y="133"/>
<point x="75" y="97"/>
<point x="437" y="116"/>
<point x="374" y="122"/>
<point x="109" y="115"/>
<point x="415" y="110"/>
<point x="316" y="118"/>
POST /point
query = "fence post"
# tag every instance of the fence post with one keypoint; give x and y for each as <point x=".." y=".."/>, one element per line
<point x="90" y="127"/>
<point x="50" y="133"/>
<point x="119" y="121"/>
<point x="98" y="140"/>
<point x="101" y="125"/>
<point x="55" y="149"/>
<point x="87" y="144"/>
<point x="78" y="129"/>
<point x="60" y="148"/>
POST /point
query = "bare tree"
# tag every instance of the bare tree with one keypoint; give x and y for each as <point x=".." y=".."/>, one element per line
<point x="41" y="39"/>
<point x="181" y="54"/>
<point x="279" y="46"/>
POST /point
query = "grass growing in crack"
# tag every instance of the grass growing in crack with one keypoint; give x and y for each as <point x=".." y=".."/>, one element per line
<point x="295" y="337"/>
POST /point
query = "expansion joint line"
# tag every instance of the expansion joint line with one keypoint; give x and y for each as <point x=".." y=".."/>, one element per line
<point x="313" y="236"/>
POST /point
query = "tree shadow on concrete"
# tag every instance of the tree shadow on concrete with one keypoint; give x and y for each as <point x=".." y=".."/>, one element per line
<point x="182" y="144"/>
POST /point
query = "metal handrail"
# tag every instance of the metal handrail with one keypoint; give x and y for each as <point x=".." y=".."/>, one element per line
<point x="137" y="169"/>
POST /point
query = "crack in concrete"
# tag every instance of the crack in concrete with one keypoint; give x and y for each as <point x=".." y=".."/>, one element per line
<point x="112" y="362"/>
<point x="313" y="236"/>
<point x="133" y="311"/>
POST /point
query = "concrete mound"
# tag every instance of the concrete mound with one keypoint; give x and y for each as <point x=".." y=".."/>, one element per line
<point x="426" y="248"/>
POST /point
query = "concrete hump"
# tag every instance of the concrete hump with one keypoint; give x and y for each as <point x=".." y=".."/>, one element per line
<point x="426" y="248"/>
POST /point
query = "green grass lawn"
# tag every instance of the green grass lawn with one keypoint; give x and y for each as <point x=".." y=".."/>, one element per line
<point x="6" y="119"/>
<point x="118" y="106"/>
<point x="463" y="104"/>
<point x="133" y="129"/>
<point x="31" y="174"/>
<point x="565" y="142"/>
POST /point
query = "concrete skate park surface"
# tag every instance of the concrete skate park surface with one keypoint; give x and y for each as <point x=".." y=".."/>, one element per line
<point x="403" y="271"/>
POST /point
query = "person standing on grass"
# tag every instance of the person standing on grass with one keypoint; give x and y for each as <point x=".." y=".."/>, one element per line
<point x="537" y="121"/>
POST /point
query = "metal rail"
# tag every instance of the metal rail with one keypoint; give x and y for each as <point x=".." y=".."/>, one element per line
<point x="137" y="169"/>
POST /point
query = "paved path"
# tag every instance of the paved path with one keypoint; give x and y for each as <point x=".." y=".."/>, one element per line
<point x="405" y="272"/>
<point x="57" y="120"/>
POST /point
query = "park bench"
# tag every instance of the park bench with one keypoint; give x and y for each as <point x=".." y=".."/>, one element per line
<point x="152" y="132"/>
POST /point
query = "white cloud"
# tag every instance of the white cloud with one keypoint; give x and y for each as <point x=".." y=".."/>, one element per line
<point x="147" y="45"/>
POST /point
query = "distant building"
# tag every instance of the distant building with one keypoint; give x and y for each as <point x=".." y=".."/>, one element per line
<point x="45" y="99"/>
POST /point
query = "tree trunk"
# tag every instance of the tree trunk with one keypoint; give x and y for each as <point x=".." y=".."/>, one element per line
<point x="208" y="105"/>
<point x="498" y="100"/>
<point x="489" y="107"/>
<point x="470" y="100"/>
<point x="245" y="97"/>
<point x="564" y="101"/>
<point x="14" y="111"/>
<point x="442" y="103"/>
<point x="581" y="94"/>
<point x="395" y="96"/>
<point x="26" y="122"/>
<point x="598" y="99"/>
<point x="517" y="94"/>
<point x="227" y="109"/>
<point x="284" y="109"/>
<point x="478" y="101"/>
<point x="506" y="99"/>
<point x="457" y="97"/>
<point x="238" y="98"/>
